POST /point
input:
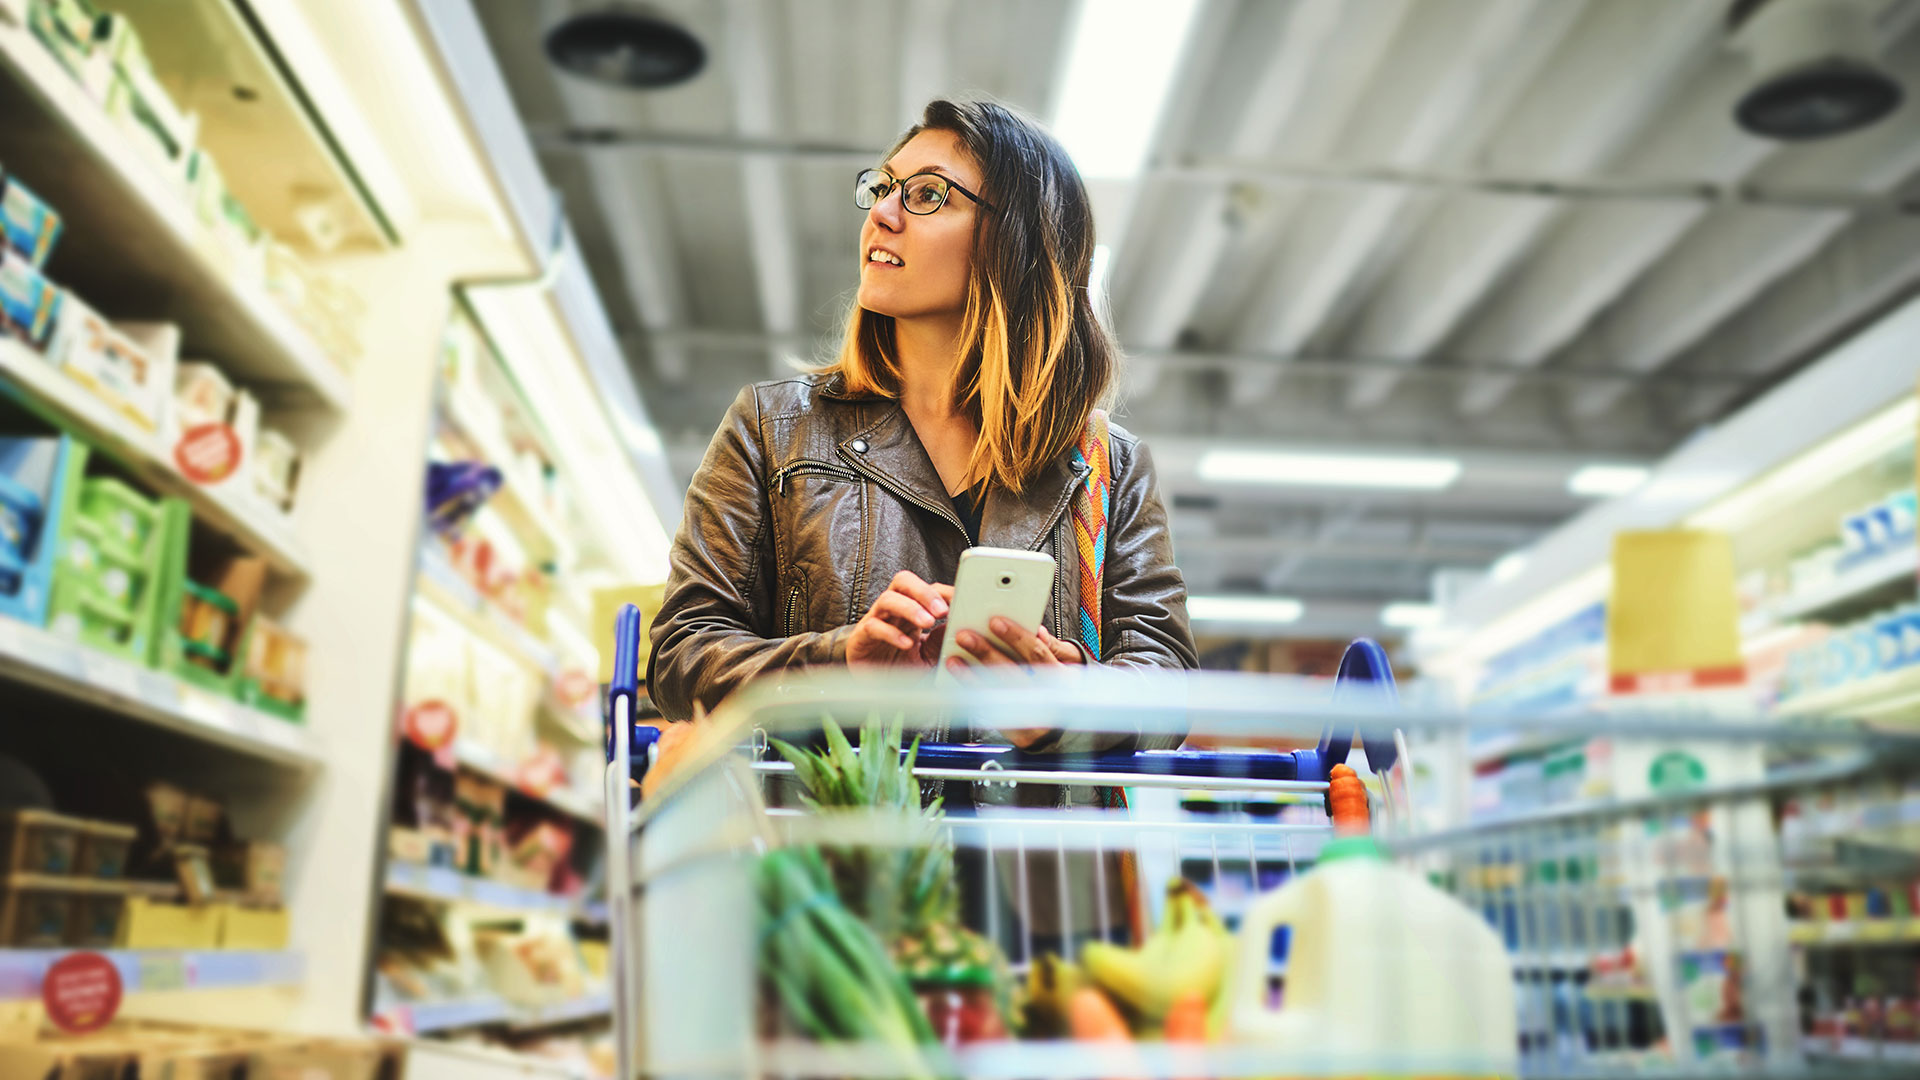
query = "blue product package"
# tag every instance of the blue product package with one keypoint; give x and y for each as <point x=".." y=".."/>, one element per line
<point x="28" y="301"/>
<point x="1910" y="634"/>
<point x="1889" y="650"/>
<point x="30" y="225"/>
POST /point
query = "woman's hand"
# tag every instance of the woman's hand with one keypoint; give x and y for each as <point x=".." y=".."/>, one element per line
<point x="1023" y="648"/>
<point x="899" y="628"/>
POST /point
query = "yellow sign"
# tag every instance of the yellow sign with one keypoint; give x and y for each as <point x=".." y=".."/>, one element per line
<point x="1673" y="618"/>
<point x="606" y="604"/>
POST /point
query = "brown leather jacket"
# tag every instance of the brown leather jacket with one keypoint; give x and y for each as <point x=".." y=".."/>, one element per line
<point x="810" y="499"/>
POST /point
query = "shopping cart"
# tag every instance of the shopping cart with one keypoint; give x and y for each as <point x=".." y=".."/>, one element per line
<point x="1667" y="894"/>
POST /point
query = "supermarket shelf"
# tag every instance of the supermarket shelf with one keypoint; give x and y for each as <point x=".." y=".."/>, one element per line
<point x="48" y="391"/>
<point x="478" y="759"/>
<point x="154" y="971"/>
<point x="1856" y="932"/>
<point x="423" y="1018"/>
<point x="1883" y="696"/>
<point x="1517" y="744"/>
<point x="1859" y="585"/>
<point x="37" y="657"/>
<point x="452" y="887"/>
<point x="446" y="590"/>
<point x="132" y="246"/>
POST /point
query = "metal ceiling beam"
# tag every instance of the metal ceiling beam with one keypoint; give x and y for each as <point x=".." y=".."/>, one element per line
<point x="923" y="60"/>
<point x="1868" y="269"/>
<point x="627" y="186"/>
<point x="1600" y="252"/>
<point x="1466" y="72"/>
<point x="1327" y="545"/>
<point x="1253" y="365"/>
<point x="763" y="178"/>
<point x="1287" y="172"/>
<point x="1159" y="294"/>
<point x="1456" y="260"/>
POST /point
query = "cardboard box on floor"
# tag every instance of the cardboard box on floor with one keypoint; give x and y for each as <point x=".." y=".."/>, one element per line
<point x="160" y="1050"/>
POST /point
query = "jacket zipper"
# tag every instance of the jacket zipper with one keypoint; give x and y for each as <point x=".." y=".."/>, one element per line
<point x="801" y="468"/>
<point x="939" y="511"/>
<point x="793" y="603"/>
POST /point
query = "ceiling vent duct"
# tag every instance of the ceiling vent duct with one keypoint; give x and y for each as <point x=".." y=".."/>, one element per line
<point x="1815" y="69"/>
<point x="629" y="48"/>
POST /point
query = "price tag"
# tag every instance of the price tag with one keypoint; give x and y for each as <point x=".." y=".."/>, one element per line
<point x="112" y="675"/>
<point x="9" y="636"/>
<point x="51" y="653"/>
<point x="1879" y="930"/>
<point x="81" y="992"/>
<point x="203" y="709"/>
<point x="1841" y="931"/>
<point x="158" y="690"/>
<point x="163" y="971"/>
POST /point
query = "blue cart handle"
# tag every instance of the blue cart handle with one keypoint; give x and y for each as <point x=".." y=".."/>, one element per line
<point x="1365" y="674"/>
<point x="623" y="693"/>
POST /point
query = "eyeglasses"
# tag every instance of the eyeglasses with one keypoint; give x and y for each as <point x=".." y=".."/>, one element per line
<point x="921" y="193"/>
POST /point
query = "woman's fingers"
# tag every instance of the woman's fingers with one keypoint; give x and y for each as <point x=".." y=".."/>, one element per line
<point x="908" y="584"/>
<point x="984" y="652"/>
<point x="1022" y="644"/>
<point x="904" y="612"/>
<point x="1066" y="652"/>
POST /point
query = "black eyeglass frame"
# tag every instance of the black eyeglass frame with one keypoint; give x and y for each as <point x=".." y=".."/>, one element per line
<point x="902" y="181"/>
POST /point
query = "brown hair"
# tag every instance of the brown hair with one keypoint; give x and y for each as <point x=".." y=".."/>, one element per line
<point x="1034" y="360"/>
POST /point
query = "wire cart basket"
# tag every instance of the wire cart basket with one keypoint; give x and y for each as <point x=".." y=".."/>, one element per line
<point x="1679" y="893"/>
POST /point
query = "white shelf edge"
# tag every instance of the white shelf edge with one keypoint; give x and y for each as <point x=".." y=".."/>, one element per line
<point x="1863" y="577"/>
<point x="41" y="658"/>
<point x="453" y="887"/>
<point x="158" y="970"/>
<point x="1864" y="699"/>
<point x="254" y="526"/>
<point x="447" y="591"/>
<point x="89" y="125"/>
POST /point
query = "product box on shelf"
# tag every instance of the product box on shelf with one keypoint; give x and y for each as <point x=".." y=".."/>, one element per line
<point x="108" y="581"/>
<point x="112" y="364"/>
<point x="214" y="431"/>
<point x="66" y="28"/>
<point x="273" y="670"/>
<point x="29" y="225"/>
<point x="276" y="469"/>
<point x="207" y="601"/>
<point x="252" y="868"/>
<point x="38" y="478"/>
<point x="244" y="926"/>
<point x="142" y="107"/>
<point x="28" y="301"/>
<point x="234" y="240"/>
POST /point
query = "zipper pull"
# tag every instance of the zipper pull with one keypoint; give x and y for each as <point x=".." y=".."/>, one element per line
<point x="780" y="481"/>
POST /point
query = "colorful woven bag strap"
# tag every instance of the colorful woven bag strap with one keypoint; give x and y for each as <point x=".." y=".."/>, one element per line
<point x="1091" y="502"/>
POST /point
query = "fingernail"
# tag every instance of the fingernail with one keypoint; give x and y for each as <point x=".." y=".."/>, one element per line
<point x="999" y="624"/>
<point x="939" y="606"/>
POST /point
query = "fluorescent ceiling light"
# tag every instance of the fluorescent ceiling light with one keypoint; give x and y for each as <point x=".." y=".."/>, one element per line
<point x="1410" y="615"/>
<point x="1120" y="66"/>
<point x="1328" y="470"/>
<point x="1509" y="566"/>
<point x="1245" y="609"/>
<point x="1606" y="481"/>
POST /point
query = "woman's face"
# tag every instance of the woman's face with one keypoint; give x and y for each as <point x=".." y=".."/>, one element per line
<point x="935" y="250"/>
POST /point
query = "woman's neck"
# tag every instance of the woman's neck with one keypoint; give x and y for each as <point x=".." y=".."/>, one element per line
<point x="926" y="350"/>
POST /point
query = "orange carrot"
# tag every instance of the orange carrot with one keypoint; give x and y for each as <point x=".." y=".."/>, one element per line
<point x="1092" y="1018"/>
<point x="1347" y="802"/>
<point x="1187" y="1019"/>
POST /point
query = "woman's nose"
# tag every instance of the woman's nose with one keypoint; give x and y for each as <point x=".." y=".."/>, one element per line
<point x="888" y="212"/>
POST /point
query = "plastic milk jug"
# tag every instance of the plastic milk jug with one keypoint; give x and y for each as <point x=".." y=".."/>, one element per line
<point x="1385" y="973"/>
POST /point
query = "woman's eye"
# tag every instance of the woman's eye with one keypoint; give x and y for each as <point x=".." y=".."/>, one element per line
<point x="926" y="196"/>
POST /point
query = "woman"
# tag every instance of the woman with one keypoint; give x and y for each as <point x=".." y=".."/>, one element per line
<point x="829" y="515"/>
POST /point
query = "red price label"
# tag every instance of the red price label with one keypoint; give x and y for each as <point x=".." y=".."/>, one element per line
<point x="431" y="726"/>
<point x="208" y="454"/>
<point x="82" y="992"/>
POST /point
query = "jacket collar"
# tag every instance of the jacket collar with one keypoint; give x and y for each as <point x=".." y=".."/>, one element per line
<point x="888" y="450"/>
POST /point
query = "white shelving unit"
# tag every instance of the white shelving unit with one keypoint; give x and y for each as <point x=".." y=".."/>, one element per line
<point x="37" y="657"/>
<point x="1866" y="578"/>
<point x="255" y="526"/>
<point x="146" y="971"/>
<point x="133" y="243"/>
<point x="1867" y="699"/>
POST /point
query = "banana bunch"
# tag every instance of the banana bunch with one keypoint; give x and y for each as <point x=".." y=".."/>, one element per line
<point x="1186" y="956"/>
<point x="1051" y="983"/>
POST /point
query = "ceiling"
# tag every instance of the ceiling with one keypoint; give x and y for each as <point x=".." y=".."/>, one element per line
<point x="1470" y="227"/>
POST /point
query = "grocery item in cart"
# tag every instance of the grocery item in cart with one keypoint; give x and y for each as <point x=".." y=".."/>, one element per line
<point x="1371" y="941"/>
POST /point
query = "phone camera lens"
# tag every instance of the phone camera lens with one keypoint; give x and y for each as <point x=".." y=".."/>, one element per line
<point x="1006" y="579"/>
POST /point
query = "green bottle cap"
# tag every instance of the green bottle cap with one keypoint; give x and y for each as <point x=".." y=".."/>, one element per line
<point x="1350" y="847"/>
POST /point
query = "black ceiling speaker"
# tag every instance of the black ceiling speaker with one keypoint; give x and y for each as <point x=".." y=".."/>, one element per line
<point x="1815" y="70"/>
<point x="627" y="48"/>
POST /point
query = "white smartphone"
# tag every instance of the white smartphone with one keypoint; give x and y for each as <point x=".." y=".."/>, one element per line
<point x="995" y="581"/>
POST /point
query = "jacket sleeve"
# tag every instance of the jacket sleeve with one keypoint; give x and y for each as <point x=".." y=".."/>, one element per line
<point x="1143" y="600"/>
<point x="711" y="634"/>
